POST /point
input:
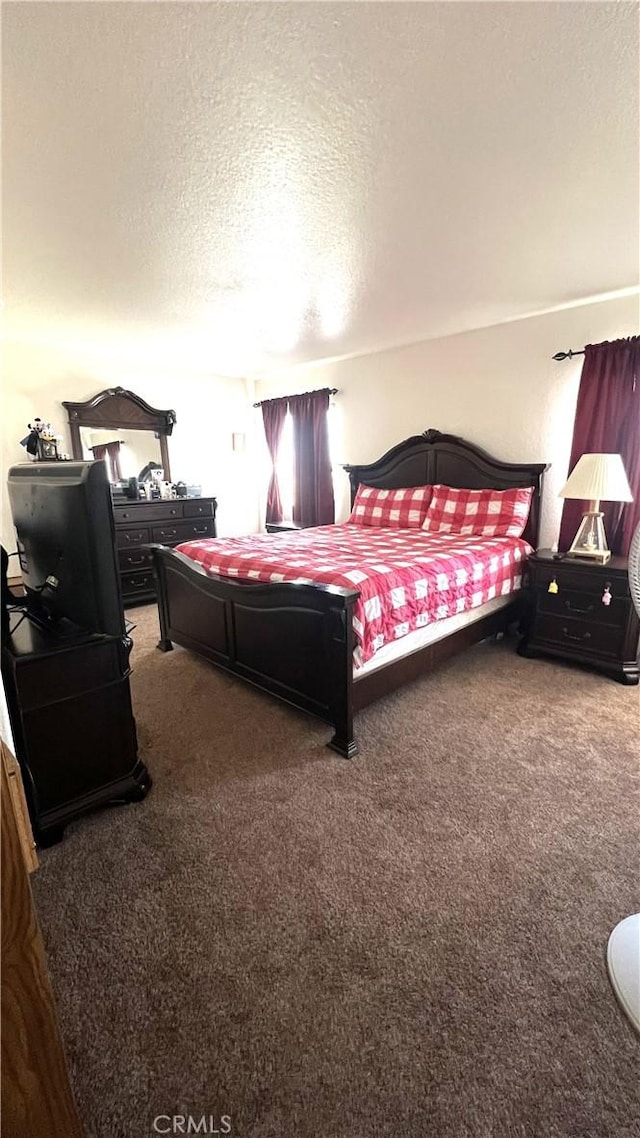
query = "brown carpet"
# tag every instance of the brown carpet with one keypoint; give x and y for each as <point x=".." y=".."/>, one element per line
<point x="408" y="945"/>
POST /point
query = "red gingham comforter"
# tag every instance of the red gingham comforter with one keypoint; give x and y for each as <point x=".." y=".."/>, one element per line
<point x="406" y="578"/>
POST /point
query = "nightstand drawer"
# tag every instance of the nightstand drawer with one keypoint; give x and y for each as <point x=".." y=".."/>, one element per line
<point x="579" y="635"/>
<point x="586" y="606"/>
<point x="579" y="577"/>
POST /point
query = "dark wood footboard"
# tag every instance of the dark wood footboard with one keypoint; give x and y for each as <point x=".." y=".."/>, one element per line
<point x="294" y="641"/>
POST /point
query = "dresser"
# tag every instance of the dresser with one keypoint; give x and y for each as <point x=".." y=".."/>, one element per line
<point x="166" y="523"/>
<point x="583" y="612"/>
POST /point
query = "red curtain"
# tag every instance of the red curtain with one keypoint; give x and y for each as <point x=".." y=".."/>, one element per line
<point x="112" y="452"/>
<point x="274" y="413"/>
<point x="608" y="422"/>
<point x="313" y="503"/>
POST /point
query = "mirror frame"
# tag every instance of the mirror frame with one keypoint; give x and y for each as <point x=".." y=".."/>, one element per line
<point x="116" y="408"/>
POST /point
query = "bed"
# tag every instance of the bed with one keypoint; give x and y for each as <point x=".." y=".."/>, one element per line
<point x="296" y="639"/>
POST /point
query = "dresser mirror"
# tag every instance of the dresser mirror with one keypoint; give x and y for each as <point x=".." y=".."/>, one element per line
<point x="121" y="428"/>
<point x="128" y="454"/>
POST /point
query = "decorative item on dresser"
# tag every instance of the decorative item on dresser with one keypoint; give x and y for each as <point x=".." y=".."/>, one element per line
<point x="582" y="611"/>
<point x="168" y="523"/>
<point x="296" y="640"/>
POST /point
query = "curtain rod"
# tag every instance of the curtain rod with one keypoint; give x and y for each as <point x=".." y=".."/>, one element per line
<point x="568" y="355"/>
<point x="331" y="390"/>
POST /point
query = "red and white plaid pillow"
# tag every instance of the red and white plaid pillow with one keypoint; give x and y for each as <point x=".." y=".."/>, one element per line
<point x="483" y="513"/>
<point x="404" y="509"/>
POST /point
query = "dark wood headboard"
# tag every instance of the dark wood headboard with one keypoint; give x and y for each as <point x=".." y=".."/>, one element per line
<point x="434" y="457"/>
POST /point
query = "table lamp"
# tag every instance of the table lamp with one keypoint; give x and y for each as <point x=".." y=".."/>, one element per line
<point x="595" y="477"/>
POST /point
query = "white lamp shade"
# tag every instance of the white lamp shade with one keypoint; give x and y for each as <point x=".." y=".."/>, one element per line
<point x="598" y="476"/>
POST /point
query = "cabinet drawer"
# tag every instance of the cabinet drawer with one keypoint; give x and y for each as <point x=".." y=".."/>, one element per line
<point x="134" y="559"/>
<point x="44" y="680"/>
<point x="148" y="512"/>
<point x="129" y="537"/>
<point x="137" y="583"/>
<point x="583" y="636"/>
<point x="198" y="508"/>
<point x="184" y="531"/>
<point x="585" y="606"/>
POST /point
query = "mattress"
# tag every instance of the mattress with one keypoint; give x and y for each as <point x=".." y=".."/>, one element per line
<point x="422" y="637"/>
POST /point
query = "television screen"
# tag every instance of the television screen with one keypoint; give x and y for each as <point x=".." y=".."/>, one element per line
<point x="66" y="543"/>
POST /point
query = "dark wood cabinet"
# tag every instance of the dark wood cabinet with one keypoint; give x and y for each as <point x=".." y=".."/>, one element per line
<point x="70" y="710"/>
<point x="167" y="523"/>
<point x="583" y="612"/>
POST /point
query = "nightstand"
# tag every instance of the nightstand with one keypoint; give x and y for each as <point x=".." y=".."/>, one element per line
<point x="282" y="527"/>
<point x="568" y="614"/>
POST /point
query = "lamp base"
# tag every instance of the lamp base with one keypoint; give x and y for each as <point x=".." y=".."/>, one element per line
<point x="587" y="555"/>
<point x="590" y="541"/>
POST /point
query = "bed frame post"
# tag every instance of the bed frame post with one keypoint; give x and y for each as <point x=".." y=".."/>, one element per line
<point x="340" y="651"/>
<point x="164" y="644"/>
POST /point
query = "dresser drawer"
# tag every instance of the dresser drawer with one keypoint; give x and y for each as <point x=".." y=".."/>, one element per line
<point x="128" y="537"/>
<point x="586" y="606"/>
<point x="198" y="508"/>
<point x="583" y="636"/>
<point x="134" y="584"/>
<point x="148" y="512"/>
<point x="184" y="531"/>
<point x="134" y="559"/>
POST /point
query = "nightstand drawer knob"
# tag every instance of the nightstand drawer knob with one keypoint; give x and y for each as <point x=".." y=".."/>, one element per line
<point x="568" y="636"/>
<point x="580" y="612"/>
<point x="553" y="586"/>
<point x="606" y="596"/>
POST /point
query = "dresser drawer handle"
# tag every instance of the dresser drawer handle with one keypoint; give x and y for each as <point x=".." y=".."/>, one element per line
<point x="582" y="612"/>
<point x="200" y="529"/>
<point x="137" y="560"/>
<point x="168" y="532"/>
<point x="141" y="584"/>
<point x="579" y="639"/>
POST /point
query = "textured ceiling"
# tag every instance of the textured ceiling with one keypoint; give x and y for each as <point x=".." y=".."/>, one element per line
<point x="242" y="185"/>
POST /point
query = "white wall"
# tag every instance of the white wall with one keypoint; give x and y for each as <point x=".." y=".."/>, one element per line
<point x="209" y="410"/>
<point x="498" y="387"/>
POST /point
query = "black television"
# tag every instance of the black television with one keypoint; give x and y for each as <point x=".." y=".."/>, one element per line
<point x="63" y="517"/>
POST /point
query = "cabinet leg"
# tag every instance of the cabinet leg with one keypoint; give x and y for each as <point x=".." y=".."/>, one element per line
<point x="49" y="837"/>
<point x="139" y="794"/>
<point x="164" y="644"/>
